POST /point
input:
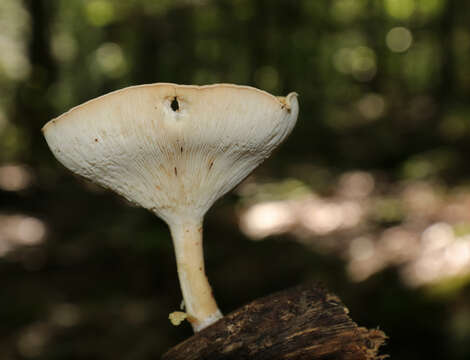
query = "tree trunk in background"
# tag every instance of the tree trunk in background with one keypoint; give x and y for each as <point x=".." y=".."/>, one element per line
<point x="306" y="322"/>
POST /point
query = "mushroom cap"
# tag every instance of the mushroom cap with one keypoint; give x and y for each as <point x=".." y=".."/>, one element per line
<point x="173" y="149"/>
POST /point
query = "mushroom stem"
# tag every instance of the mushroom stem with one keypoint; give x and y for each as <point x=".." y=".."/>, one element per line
<point x="200" y="304"/>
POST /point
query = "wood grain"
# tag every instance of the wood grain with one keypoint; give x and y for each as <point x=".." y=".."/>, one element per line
<point x="305" y="322"/>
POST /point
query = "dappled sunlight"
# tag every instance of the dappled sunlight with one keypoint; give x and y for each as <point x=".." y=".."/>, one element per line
<point x="324" y="217"/>
<point x="370" y="194"/>
<point x="14" y="177"/>
<point x="429" y="243"/>
<point x="20" y="230"/>
<point x="268" y="218"/>
<point x="355" y="184"/>
<point x="442" y="255"/>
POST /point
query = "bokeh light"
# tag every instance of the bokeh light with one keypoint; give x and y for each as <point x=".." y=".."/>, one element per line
<point x="110" y="60"/>
<point x="20" y="230"/>
<point x="399" y="39"/>
<point x="370" y="194"/>
<point x="400" y="9"/>
<point x="427" y="252"/>
<point x="14" y="177"/>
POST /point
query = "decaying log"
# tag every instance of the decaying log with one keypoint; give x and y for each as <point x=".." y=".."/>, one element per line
<point x="305" y="322"/>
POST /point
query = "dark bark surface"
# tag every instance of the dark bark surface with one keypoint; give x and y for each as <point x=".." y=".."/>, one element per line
<point x="305" y="322"/>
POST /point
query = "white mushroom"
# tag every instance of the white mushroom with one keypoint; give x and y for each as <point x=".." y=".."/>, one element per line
<point x="174" y="149"/>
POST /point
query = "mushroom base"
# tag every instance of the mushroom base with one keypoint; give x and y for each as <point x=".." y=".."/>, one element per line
<point x="208" y="321"/>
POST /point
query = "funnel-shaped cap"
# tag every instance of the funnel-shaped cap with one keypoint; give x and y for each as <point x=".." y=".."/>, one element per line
<point x="173" y="149"/>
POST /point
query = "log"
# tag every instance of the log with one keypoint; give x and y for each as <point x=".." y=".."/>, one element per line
<point x="305" y="322"/>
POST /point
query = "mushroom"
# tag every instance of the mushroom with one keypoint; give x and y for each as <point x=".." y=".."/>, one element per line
<point x="174" y="150"/>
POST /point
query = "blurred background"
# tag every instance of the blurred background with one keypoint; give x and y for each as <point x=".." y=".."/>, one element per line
<point x="370" y="194"/>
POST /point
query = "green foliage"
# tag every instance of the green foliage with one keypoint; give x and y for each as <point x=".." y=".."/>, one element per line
<point x="384" y="87"/>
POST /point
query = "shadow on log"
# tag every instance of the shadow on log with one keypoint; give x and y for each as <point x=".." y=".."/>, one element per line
<point x="305" y="322"/>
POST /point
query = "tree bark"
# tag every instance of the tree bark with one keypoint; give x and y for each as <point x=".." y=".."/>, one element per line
<point x="305" y="322"/>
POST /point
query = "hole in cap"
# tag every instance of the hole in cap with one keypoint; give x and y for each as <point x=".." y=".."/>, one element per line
<point x="175" y="106"/>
